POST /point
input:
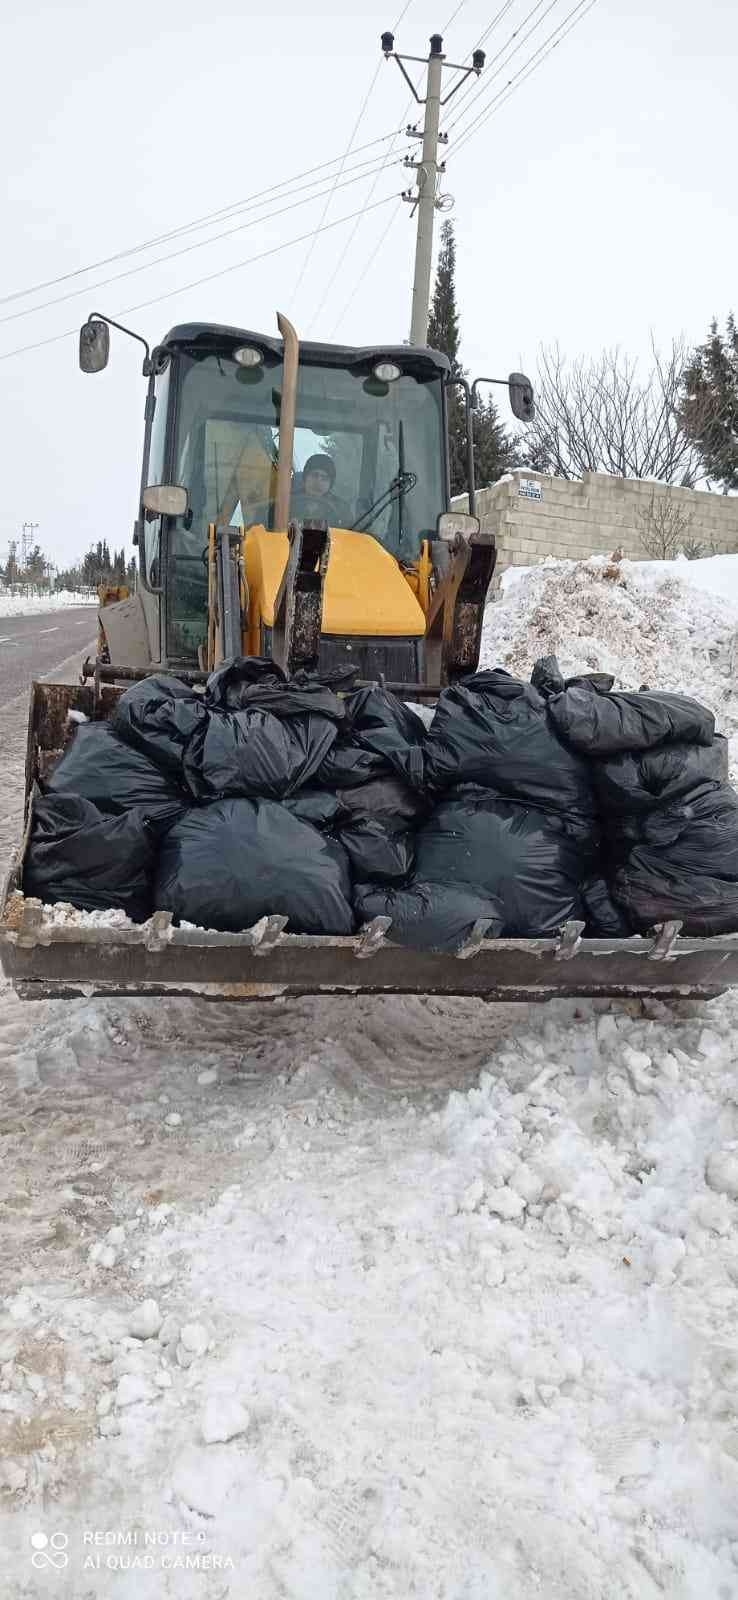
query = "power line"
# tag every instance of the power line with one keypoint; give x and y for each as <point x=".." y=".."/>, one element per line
<point x="199" y="222"/>
<point x="483" y="39"/>
<point x="481" y="91"/>
<point x="454" y="15"/>
<point x="347" y="246"/>
<point x="359" y="119"/>
<point x="308" y="253"/>
<point x="208" y="277"/>
<point x="369" y="263"/>
<point x="199" y="244"/>
<point x="386" y="162"/>
<point x="555" y="38"/>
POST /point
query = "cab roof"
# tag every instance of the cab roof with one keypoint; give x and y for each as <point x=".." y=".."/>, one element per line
<point x="410" y="358"/>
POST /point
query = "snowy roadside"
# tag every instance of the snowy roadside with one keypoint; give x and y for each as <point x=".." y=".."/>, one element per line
<point x="19" y="605"/>
<point x="338" y="1299"/>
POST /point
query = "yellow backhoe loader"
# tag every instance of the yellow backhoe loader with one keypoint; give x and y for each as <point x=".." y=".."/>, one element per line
<point x="295" y="503"/>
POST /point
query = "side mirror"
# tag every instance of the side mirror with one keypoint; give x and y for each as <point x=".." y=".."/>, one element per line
<point x="456" y="524"/>
<point x="94" y="346"/>
<point x="520" y="390"/>
<point x="165" y="500"/>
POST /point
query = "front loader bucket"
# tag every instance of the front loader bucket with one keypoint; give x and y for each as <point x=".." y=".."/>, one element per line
<point x="46" y="957"/>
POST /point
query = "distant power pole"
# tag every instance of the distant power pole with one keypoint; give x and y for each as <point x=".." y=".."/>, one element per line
<point x="27" y="541"/>
<point x="425" y="198"/>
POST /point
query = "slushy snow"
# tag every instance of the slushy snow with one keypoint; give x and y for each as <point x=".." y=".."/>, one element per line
<point x="363" y="1299"/>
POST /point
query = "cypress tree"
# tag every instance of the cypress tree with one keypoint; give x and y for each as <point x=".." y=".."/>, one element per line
<point x="494" y="451"/>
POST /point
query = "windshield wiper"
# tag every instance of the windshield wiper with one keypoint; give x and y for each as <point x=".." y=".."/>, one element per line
<point x="401" y="485"/>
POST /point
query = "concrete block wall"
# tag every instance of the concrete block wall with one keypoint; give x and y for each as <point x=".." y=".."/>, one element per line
<point x="593" y="515"/>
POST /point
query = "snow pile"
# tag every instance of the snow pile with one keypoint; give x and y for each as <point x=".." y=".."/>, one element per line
<point x="434" y="1334"/>
<point x="716" y="575"/>
<point x="643" y="622"/>
<point x="21" y="605"/>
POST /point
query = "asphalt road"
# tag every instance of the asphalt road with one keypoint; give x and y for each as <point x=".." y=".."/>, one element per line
<point x="31" y="647"/>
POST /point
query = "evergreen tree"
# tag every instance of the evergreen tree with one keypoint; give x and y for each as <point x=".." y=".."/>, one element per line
<point x="98" y="568"/>
<point x="36" y="568"/>
<point x="709" y="407"/>
<point x="494" y="451"/>
<point x="443" y="322"/>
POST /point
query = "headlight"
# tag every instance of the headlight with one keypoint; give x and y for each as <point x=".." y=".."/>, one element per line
<point x="386" y="371"/>
<point x="247" y="355"/>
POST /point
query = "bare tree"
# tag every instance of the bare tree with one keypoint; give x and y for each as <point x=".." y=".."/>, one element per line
<point x="601" y="416"/>
<point x="664" y="527"/>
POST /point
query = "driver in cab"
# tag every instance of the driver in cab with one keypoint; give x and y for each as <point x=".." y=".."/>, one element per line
<point x="315" y="498"/>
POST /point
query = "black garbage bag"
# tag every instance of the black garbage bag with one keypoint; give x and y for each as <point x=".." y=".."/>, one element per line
<point x="377" y="850"/>
<point x="100" y="767"/>
<point x="383" y="728"/>
<point x="228" y="864"/>
<point x="428" y="916"/>
<point x="633" y="783"/>
<point x="255" y="683"/>
<point x="548" y="678"/>
<point x="683" y="865"/>
<point x="531" y="862"/>
<point x="388" y="799"/>
<point x="377" y="828"/>
<point x="375" y="824"/>
<point x="230" y="686"/>
<point x="651" y="890"/>
<point x="159" y="716"/>
<point x="94" y="861"/>
<point x="318" y="806"/>
<point x="600" y="723"/>
<point x="346" y="767"/>
<point x="605" y="919"/>
<point x="254" y="754"/>
<point x="493" y="730"/>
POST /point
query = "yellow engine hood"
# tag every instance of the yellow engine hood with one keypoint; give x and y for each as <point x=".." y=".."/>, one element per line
<point x="365" y="591"/>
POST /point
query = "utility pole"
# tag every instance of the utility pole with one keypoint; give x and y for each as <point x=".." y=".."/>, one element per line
<point x="425" y="199"/>
<point x="29" y="529"/>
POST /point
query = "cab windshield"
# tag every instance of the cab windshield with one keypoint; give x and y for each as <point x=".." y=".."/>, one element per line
<point x="384" y="471"/>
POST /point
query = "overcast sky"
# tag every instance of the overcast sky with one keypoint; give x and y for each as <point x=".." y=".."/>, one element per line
<point x="596" y="206"/>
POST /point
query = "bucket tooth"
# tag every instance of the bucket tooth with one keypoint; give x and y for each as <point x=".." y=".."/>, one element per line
<point x="371" y="937"/>
<point x="570" y="940"/>
<point x="31" y="922"/>
<point x="266" y="933"/>
<point x="472" y="945"/>
<point x="159" y="931"/>
<point x="667" y="934"/>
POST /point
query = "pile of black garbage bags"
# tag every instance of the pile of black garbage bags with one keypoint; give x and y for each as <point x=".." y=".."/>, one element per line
<point x="523" y="805"/>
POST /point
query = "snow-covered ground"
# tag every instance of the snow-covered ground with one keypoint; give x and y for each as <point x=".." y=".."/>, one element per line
<point x="336" y="1300"/>
<point x="24" y="605"/>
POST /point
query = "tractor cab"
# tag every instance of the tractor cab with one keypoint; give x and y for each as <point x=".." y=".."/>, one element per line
<point x="374" y="421"/>
<point x="256" y="444"/>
